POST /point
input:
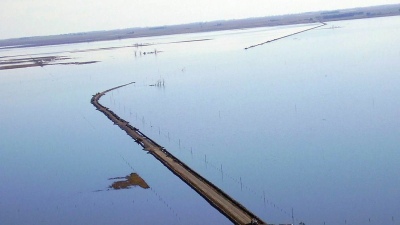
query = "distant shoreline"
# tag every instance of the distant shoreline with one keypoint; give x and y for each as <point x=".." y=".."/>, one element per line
<point x="302" y="18"/>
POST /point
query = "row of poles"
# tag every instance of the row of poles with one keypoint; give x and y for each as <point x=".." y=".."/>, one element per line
<point x="209" y="164"/>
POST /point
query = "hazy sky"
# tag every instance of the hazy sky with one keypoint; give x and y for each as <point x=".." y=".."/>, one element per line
<point x="20" y="18"/>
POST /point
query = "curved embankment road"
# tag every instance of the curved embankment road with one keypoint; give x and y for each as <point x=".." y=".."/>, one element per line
<point x="232" y="209"/>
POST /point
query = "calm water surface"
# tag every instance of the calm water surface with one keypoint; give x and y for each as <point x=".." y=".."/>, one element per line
<point x="308" y="123"/>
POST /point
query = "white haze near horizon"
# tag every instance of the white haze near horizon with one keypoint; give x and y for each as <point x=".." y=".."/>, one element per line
<point x="22" y="18"/>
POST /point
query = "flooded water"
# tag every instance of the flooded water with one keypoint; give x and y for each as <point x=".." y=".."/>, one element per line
<point x="308" y="124"/>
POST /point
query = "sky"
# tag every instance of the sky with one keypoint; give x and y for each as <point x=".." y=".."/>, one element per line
<point x="23" y="18"/>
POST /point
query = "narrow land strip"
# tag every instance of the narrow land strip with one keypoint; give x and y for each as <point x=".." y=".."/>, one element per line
<point x="232" y="209"/>
<point x="298" y="32"/>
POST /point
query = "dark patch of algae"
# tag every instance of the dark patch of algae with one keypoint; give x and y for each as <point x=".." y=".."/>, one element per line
<point x="131" y="181"/>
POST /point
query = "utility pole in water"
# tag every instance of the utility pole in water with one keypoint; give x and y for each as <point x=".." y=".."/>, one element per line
<point x="292" y="217"/>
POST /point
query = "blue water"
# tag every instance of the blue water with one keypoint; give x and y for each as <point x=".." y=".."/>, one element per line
<point x="308" y="123"/>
